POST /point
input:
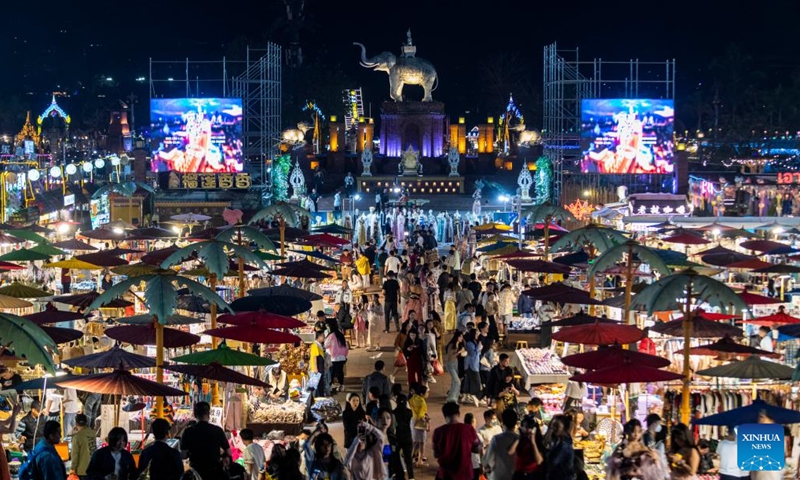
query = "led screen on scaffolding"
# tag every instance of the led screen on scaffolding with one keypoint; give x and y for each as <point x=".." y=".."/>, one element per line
<point x="622" y="135"/>
<point x="196" y="134"/>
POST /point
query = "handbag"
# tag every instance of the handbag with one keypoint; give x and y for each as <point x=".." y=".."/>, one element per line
<point x="400" y="360"/>
<point x="437" y="367"/>
<point x="422" y="424"/>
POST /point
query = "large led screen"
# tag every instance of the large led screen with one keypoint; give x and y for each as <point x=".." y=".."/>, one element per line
<point x="621" y="135"/>
<point x="196" y="134"/>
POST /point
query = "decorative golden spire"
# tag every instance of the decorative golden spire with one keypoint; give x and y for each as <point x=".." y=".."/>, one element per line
<point x="28" y="132"/>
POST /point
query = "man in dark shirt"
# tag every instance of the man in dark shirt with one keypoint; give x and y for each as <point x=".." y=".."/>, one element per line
<point x="27" y="428"/>
<point x="443" y="282"/>
<point x="369" y="252"/>
<point x="164" y="462"/>
<point x="391" y="290"/>
<point x="474" y="286"/>
<point x="203" y="442"/>
<point x="8" y="378"/>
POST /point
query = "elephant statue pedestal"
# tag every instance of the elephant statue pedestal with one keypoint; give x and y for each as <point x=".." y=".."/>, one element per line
<point x="419" y="125"/>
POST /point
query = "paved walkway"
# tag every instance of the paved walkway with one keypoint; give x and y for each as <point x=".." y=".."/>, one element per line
<point x="360" y="363"/>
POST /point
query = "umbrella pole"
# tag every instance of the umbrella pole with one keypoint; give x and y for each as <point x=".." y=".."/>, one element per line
<point x="117" y="409"/>
<point x="214" y="341"/>
<point x="241" y="269"/>
<point x="687" y="374"/>
<point x="282" y="229"/>
<point x="547" y="221"/>
<point x="628" y="284"/>
<point x="159" y="366"/>
<point x="591" y="279"/>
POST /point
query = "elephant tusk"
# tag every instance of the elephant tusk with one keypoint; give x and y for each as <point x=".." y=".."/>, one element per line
<point x="368" y="65"/>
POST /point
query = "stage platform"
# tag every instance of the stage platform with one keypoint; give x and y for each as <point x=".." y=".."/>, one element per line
<point x="425" y="185"/>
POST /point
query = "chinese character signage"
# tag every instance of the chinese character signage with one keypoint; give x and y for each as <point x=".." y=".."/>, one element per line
<point x="209" y="181"/>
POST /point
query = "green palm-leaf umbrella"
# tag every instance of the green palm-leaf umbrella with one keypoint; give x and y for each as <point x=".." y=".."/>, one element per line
<point x="546" y="213"/>
<point x="689" y="285"/>
<point x="161" y="298"/>
<point x="215" y="255"/>
<point x="286" y="214"/>
<point x="600" y="237"/>
<point x="126" y="189"/>
<point x="238" y="234"/>
<point x="27" y="340"/>
<point x="630" y="248"/>
<point x="224" y="355"/>
<point x="594" y="239"/>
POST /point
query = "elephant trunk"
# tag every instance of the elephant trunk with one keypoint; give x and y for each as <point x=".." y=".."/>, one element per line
<point x="364" y="61"/>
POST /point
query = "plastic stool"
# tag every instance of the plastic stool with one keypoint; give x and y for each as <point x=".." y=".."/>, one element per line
<point x="521" y="344"/>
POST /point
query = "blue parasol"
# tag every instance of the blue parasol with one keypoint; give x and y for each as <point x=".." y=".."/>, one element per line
<point x="750" y="414"/>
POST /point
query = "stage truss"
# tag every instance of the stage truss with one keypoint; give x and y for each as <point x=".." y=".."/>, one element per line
<point x="568" y="80"/>
<point x="256" y="80"/>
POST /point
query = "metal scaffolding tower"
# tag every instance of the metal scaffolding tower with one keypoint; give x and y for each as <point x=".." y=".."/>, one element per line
<point x="259" y="86"/>
<point x="568" y="80"/>
<point x="256" y="80"/>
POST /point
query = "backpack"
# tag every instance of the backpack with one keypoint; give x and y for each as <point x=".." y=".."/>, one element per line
<point x="28" y="470"/>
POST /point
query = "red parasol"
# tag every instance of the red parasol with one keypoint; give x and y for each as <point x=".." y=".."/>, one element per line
<point x="750" y="264"/>
<point x="580" y="319"/>
<point x="554" y="227"/>
<point x="121" y="382"/>
<point x="10" y="266"/>
<point x="687" y="239"/>
<point x="779" y="268"/>
<point x="754" y="299"/>
<point x="146" y="335"/>
<point x="779" y="318"/>
<point x="113" y="358"/>
<point x="613" y="356"/>
<point x="627" y="372"/>
<point x="253" y="334"/>
<point x="727" y="345"/>
<point x="86" y="299"/>
<point x="62" y="335"/>
<point x="761" y="245"/>
<point x="324" y="239"/>
<point x="560" y="293"/>
<point x="215" y="371"/>
<point x="73" y="245"/>
<point x="261" y="319"/>
<point x="718" y="250"/>
<point x="102" y="259"/>
<point x="711" y="316"/>
<point x="725" y="259"/>
<point x="700" y="328"/>
<point x="157" y="257"/>
<point x="102" y="234"/>
<point x="515" y="255"/>
<point x="539" y="266"/>
<point x="53" y="315"/>
<point x="600" y="334"/>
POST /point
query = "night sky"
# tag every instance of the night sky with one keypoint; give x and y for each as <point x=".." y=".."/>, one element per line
<point x="63" y="45"/>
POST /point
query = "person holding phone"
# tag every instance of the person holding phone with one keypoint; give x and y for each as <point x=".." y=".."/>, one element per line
<point x="527" y="449"/>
